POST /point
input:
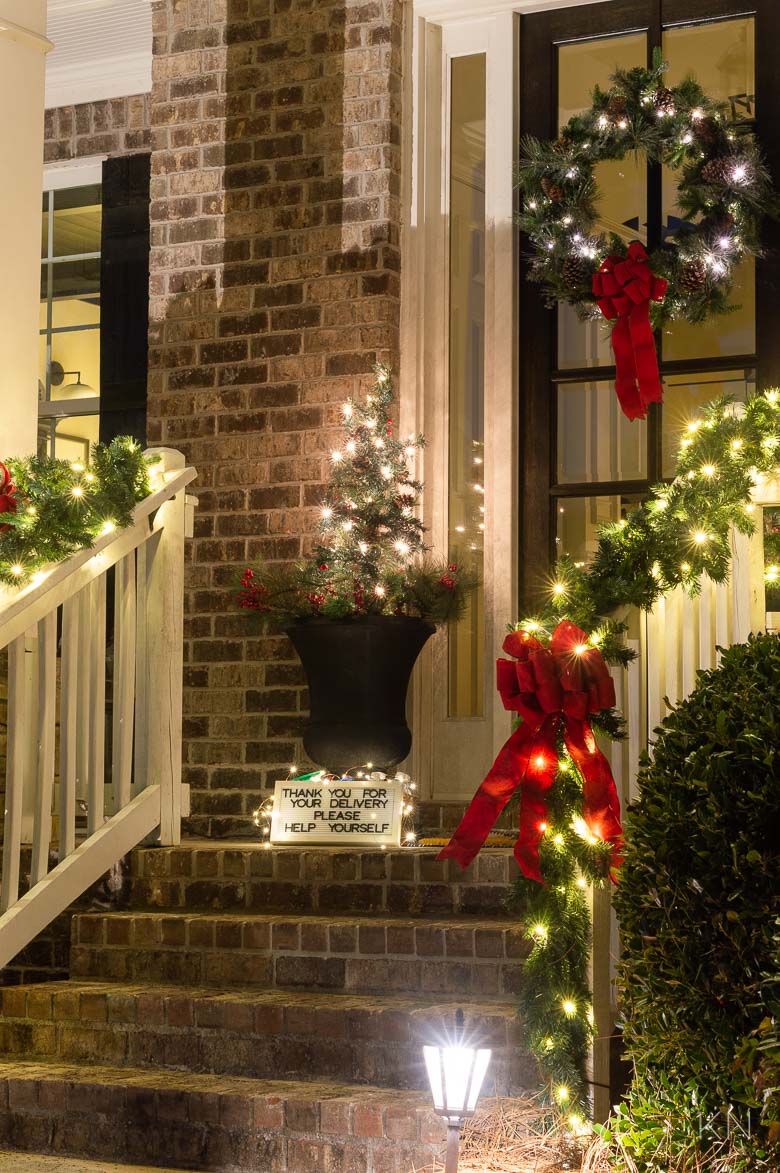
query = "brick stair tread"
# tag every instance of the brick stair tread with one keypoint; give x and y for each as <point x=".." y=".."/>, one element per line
<point x="416" y="1005"/>
<point x="202" y="1083"/>
<point x="227" y="1124"/>
<point x="501" y="924"/>
<point x="16" y="1162"/>
<point x="195" y="844"/>
<point x="255" y="1033"/>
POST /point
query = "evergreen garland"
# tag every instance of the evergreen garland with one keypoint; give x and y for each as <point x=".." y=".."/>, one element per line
<point x="683" y="530"/>
<point x="723" y="193"/>
<point x="680" y="533"/>
<point x="555" y="999"/>
<point x="54" y="508"/>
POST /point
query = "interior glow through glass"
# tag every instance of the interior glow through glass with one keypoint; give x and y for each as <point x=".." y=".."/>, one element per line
<point x="456" y="1075"/>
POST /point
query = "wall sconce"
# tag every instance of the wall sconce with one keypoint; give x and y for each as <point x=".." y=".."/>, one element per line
<point x="455" y="1073"/>
<point x="75" y="390"/>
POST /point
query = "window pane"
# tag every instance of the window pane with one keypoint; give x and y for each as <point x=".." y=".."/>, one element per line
<point x="684" y="398"/>
<point x="77" y="221"/>
<point x="75" y="364"/>
<point x="721" y="55"/>
<point x="578" y="519"/>
<point x="466" y="372"/>
<point x="76" y="293"/>
<point x="596" y="442"/>
<point x="74" y="435"/>
<point x="622" y="184"/>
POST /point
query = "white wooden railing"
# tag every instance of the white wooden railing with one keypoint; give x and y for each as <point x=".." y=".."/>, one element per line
<point x="55" y="631"/>
<point x="673" y="642"/>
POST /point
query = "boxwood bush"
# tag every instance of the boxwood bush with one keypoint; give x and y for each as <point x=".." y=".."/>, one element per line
<point x="699" y="907"/>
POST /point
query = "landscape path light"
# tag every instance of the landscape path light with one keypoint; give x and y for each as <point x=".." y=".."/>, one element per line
<point x="456" y="1072"/>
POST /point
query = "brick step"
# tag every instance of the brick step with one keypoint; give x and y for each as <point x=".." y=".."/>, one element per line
<point x="481" y="957"/>
<point x="216" y="1122"/>
<point x="258" y="1034"/>
<point x="209" y="874"/>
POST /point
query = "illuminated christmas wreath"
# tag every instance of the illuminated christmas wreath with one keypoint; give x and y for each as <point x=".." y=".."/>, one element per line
<point x="723" y="193"/>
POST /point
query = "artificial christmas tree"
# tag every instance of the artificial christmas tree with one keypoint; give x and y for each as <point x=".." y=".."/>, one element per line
<point x="360" y="611"/>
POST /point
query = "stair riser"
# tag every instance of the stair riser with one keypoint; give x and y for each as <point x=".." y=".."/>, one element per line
<point x="225" y="1133"/>
<point x="398" y="882"/>
<point x="359" y="898"/>
<point x="353" y="1059"/>
<point x="359" y="958"/>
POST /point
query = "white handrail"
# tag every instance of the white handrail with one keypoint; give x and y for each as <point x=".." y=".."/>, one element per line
<point x="141" y="569"/>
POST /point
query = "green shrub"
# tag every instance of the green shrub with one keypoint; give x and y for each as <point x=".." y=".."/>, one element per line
<point x="698" y="901"/>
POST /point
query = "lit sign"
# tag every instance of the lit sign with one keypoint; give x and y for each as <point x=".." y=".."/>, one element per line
<point x="339" y="812"/>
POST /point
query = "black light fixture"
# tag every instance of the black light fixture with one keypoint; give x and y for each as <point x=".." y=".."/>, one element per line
<point x="75" y="390"/>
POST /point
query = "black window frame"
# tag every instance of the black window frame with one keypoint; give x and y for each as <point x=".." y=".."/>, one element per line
<point x="540" y="37"/>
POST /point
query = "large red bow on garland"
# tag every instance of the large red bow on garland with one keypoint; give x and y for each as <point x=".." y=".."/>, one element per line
<point x="624" y="288"/>
<point x="553" y="689"/>
<point x="7" y="494"/>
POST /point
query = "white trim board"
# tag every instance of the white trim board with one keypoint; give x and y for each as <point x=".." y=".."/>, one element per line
<point x="445" y="10"/>
<point x="76" y="173"/>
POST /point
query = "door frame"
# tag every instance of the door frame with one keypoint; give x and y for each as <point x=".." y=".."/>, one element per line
<point x="451" y="756"/>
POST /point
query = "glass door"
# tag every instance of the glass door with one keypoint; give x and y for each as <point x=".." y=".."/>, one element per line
<point x="597" y="464"/>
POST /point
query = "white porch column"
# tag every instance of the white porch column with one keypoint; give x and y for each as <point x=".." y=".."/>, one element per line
<point x="23" y="48"/>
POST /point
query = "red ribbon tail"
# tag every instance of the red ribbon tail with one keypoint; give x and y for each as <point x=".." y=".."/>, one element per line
<point x="489" y="801"/>
<point x="528" y="760"/>
<point x="645" y="356"/>
<point x="626" y="381"/>
<point x="601" y="805"/>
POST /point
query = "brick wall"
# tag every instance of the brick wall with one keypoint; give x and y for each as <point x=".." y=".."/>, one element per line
<point x="115" y="126"/>
<point x="275" y="287"/>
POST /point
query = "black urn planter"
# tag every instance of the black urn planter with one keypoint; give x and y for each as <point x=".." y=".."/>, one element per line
<point x="358" y="672"/>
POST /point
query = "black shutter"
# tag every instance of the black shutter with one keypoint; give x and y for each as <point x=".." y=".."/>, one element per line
<point x="124" y="297"/>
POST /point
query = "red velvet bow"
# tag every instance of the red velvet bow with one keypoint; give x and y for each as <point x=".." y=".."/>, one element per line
<point x="7" y="495"/>
<point x="624" y="288"/>
<point x="553" y="689"/>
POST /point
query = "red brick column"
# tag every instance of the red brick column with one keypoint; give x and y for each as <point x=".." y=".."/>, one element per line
<point x="274" y="283"/>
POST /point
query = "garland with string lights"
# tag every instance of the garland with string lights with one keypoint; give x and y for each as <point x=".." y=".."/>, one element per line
<point x="682" y="531"/>
<point x="371" y="557"/>
<point x="724" y="191"/>
<point x="51" y="508"/>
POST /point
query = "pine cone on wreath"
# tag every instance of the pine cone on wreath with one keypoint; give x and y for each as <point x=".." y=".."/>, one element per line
<point x="617" y="106"/>
<point x="718" y="224"/>
<point x="707" y="130"/>
<point x="553" y="191"/>
<point x="576" y="272"/>
<point x="716" y="171"/>
<point x="693" y="277"/>
<point x="663" y="100"/>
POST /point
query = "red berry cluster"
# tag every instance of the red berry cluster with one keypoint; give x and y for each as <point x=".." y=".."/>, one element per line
<point x="253" y="594"/>
<point x="447" y="580"/>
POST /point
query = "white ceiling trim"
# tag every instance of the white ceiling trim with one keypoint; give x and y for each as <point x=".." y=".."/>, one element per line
<point x="78" y="173"/>
<point x="446" y="10"/>
<point x="102" y="49"/>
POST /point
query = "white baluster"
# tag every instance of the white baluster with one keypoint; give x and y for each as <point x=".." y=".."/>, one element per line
<point x="124" y="680"/>
<point x="69" y="675"/>
<point x="19" y="730"/>
<point x="97" y="703"/>
<point x="47" y="709"/>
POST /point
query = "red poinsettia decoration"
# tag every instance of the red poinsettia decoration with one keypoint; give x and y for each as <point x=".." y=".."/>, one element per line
<point x="8" y="497"/>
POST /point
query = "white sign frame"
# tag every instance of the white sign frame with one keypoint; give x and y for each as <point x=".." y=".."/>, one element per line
<point x="306" y="812"/>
